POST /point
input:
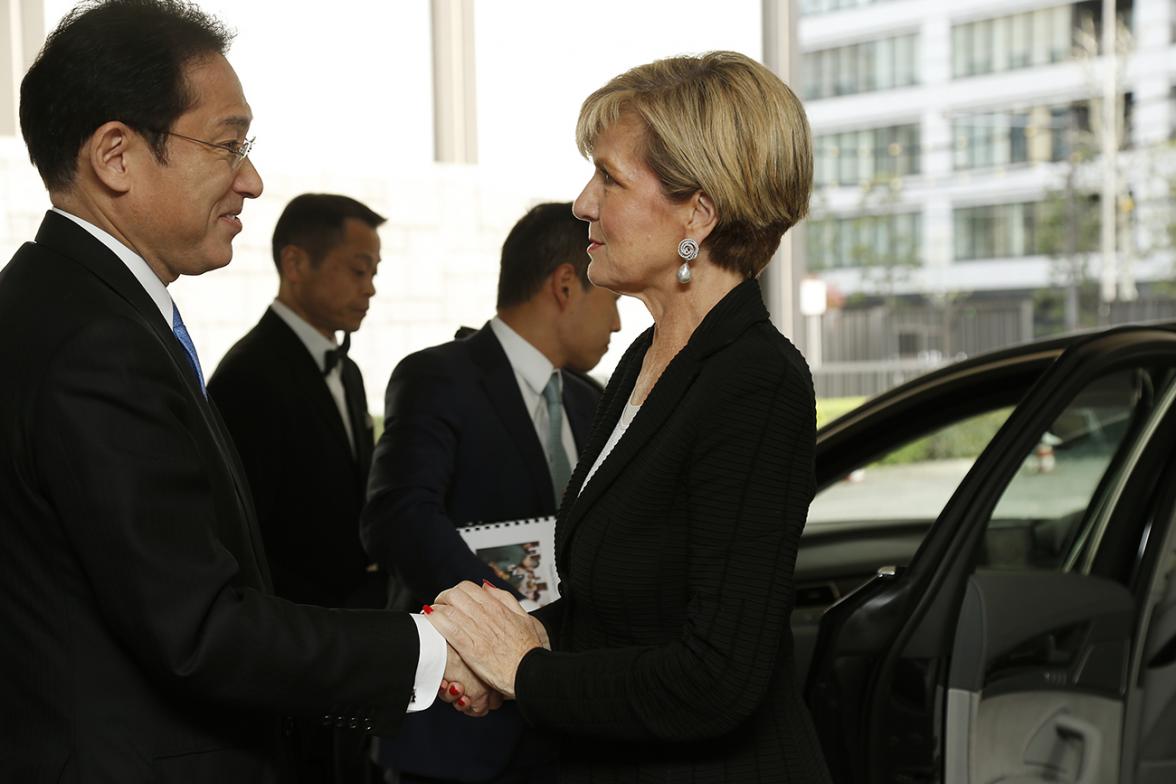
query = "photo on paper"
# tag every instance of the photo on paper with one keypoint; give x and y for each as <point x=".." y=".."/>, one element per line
<point x="519" y="565"/>
<point x="521" y="552"/>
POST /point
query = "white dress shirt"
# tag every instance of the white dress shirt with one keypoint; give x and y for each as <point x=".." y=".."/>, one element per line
<point x="532" y="371"/>
<point x="433" y="652"/>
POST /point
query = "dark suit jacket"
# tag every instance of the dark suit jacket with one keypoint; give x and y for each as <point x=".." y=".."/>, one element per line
<point x="307" y="485"/>
<point x="458" y="447"/>
<point x="672" y="654"/>
<point x="141" y="642"/>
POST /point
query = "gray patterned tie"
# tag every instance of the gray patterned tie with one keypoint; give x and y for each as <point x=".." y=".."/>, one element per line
<point x="557" y="456"/>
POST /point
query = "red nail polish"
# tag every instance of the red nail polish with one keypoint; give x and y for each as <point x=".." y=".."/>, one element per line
<point x="462" y="702"/>
<point x="427" y="609"/>
<point x="487" y="583"/>
<point x="453" y="690"/>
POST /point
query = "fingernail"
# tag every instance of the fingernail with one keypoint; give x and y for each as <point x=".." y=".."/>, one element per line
<point x="453" y="690"/>
<point x="427" y="609"/>
<point x="462" y="702"/>
<point x="487" y="583"/>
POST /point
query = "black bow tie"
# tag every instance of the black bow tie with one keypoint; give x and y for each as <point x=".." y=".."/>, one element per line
<point x="335" y="356"/>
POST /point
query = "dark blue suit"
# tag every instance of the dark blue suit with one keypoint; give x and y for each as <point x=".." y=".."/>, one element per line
<point x="459" y="447"/>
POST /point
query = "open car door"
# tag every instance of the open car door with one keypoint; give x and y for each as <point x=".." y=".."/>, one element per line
<point x="1011" y="647"/>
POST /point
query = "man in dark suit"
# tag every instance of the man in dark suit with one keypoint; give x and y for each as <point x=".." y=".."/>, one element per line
<point x="142" y="642"/>
<point x="294" y="404"/>
<point x="469" y="438"/>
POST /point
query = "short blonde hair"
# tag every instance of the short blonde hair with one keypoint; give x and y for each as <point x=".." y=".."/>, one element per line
<point x="722" y="123"/>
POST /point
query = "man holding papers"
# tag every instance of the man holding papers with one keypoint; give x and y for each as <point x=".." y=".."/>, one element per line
<point x="485" y="429"/>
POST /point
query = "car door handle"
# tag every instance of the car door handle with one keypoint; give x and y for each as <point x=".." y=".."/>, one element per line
<point x="1090" y="740"/>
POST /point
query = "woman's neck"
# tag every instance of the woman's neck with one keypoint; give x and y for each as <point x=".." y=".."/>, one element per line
<point x="676" y="314"/>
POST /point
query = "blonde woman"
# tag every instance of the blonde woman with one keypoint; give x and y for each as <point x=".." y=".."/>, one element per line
<point x="668" y="656"/>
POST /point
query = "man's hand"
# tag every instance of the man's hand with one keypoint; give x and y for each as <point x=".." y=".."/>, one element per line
<point x="464" y="690"/>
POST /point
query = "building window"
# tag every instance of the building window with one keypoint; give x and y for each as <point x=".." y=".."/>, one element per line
<point x="1007" y="43"/>
<point x="1037" y="135"/>
<point x="860" y="68"/>
<point x="1172" y="100"/>
<point x="814" y="7"/>
<point x="1000" y="231"/>
<point x="856" y="157"/>
<point x="1030" y="38"/>
<point x="865" y="241"/>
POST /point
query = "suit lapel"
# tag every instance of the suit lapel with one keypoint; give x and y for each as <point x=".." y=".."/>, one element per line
<point x="580" y="410"/>
<point x="306" y="378"/>
<point x="358" y="415"/>
<point x="72" y="241"/>
<point x="502" y="389"/>
<point x="727" y="320"/>
<point x="663" y="399"/>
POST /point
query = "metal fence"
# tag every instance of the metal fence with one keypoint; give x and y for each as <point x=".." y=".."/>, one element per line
<point x="867" y="351"/>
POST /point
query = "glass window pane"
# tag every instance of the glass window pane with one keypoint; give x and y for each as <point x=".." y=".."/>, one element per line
<point x="884" y="64"/>
<point x="982" y="47"/>
<point x="1018" y="150"/>
<point x="1000" y="139"/>
<point x="1061" y="28"/>
<point x="904" y="60"/>
<point x="847" y="159"/>
<point x="1039" y="518"/>
<point x="846" y="70"/>
<point x="1000" y="44"/>
<point x="867" y="68"/>
<point x="961" y="56"/>
<point x="1043" y="37"/>
<point x="960" y="234"/>
<point x="918" y="477"/>
<point x="1019" y="35"/>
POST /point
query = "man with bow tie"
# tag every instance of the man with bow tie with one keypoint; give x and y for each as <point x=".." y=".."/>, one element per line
<point x="294" y="402"/>
<point x="295" y="406"/>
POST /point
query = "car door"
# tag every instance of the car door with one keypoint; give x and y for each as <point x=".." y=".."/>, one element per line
<point x="886" y="469"/>
<point x="1004" y="650"/>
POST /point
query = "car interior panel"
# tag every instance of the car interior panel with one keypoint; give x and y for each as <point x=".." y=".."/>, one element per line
<point x="1007" y="650"/>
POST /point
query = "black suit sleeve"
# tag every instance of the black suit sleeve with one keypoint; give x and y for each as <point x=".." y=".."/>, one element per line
<point x="129" y="471"/>
<point x="752" y="458"/>
<point x="405" y="524"/>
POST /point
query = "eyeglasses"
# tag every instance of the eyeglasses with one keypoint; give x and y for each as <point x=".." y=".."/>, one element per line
<point x="239" y="150"/>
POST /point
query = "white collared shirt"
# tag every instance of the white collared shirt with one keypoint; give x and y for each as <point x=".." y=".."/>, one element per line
<point x="433" y="651"/>
<point x="318" y="346"/>
<point x="147" y="278"/>
<point x="532" y="371"/>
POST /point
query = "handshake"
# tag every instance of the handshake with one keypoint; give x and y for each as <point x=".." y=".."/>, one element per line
<point x="488" y="634"/>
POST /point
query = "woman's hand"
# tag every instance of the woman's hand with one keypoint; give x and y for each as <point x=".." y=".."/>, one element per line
<point x="490" y="631"/>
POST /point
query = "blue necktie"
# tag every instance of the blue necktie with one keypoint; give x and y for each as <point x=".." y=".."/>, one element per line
<point x="185" y="339"/>
<point x="557" y="456"/>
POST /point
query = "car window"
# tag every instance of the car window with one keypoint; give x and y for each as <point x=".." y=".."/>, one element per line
<point x="1053" y="497"/>
<point x="913" y="481"/>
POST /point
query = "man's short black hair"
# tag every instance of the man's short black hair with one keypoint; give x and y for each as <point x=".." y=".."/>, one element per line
<point x="547" y="236"/>
<point x="314" y="222"/>
<point x="107" y="60"/>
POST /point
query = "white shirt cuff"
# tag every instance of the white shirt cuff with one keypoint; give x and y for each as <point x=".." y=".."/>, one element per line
<point x="430" y="665"/>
